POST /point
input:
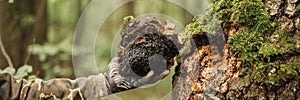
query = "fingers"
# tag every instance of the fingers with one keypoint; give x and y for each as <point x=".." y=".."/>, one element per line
<point x="124" y="84"/>
<point x="113" y="68"/>
<point x="121" y="82"/>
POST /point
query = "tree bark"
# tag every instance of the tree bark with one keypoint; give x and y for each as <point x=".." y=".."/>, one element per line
<point x="260" y="58"/>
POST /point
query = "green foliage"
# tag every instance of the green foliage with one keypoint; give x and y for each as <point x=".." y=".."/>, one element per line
<point x="51" y="49"/>
<point x="9" y="70"/>
<point x="53" y="55"/>
<point x="21" y="72"/>
<point x="56" y="70"/>
<point x="43" y="50"/>
<point x="11" y="1"/>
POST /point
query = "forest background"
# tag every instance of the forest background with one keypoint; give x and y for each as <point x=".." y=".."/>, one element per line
<point x="37" y="36"/>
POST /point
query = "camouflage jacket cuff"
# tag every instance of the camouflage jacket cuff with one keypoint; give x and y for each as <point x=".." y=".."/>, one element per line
<point x="93" y="87"/>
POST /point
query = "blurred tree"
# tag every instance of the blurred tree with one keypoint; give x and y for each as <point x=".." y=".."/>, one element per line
<point x="23" y="22"/>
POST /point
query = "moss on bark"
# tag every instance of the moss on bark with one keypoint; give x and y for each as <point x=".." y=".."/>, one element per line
<point x="264" y="36"/>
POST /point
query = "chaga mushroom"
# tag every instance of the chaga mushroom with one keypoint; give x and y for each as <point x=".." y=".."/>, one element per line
<point x="147" y="45"/>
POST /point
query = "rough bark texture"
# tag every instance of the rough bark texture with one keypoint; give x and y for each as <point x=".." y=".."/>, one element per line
<point x="259" y="60"/>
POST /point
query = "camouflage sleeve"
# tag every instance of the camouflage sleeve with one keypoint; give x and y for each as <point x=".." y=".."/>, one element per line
<point x="90" y="88"/>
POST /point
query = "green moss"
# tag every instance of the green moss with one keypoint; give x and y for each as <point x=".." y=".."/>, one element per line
<point x="267" y="49"/>
<point x="207" y="23"/>
<point x="286" y="42"/>
<point x="282" y="70"/>
<point x="263" y="72"/>
<point x="194" y="27"/>
<point x="297" y="41"/>
<point x="245" y="81"/>
<point x="275" y="73"/>
<point x="256" y="42"/>
<point x="252" y="42"/>
<point x="250" y="39"/>
<point x="247" y="42"/>
<point x="249" y="13"/>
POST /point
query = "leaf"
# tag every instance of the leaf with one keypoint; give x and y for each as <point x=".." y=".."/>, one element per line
<point x="9" y="70"/>
<point x="50" y="49"/>
<point x="35" y="49"/>
<point x="66" y="46"/>
<point x="23" y="71"/>
<point x="42" y="57"/>
<point x="31" y="77"/>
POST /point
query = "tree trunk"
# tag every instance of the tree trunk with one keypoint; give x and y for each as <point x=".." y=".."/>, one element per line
<point x="242" y="49"/>
<point x="22" y="23"/>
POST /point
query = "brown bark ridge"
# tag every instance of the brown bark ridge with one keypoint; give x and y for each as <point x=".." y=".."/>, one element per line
<point x="242" y="71"/>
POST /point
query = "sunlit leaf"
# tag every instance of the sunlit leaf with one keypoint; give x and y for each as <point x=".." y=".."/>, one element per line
<point x="23" y="71"/>
<point x="9" y="70"/>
